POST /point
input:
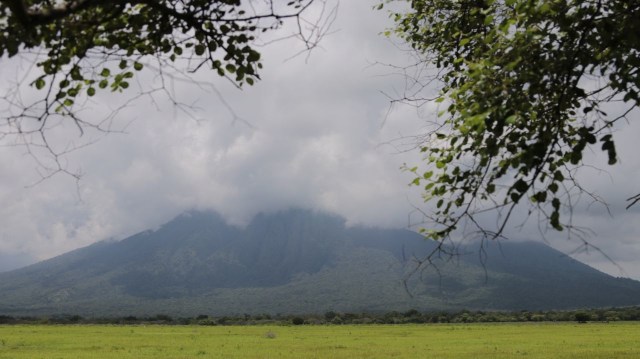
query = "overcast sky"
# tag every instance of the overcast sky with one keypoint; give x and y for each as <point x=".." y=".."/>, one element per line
<point x="314" y="133"/>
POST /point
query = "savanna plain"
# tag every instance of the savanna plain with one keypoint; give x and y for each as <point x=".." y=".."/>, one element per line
<point x="502" y="340"/>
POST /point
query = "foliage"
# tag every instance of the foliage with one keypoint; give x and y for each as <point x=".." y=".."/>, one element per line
<point x="217" y="34"/>
<point x="347" y="318"/>
<point x="582" y="317"/>
<point x="81" y="47"/>
<point x="525" y="88"/>
<point x="313" y="263"/>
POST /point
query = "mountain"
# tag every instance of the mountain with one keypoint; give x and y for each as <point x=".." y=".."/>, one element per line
<point x="299" y="261"/>
<point x="11" y="261"/>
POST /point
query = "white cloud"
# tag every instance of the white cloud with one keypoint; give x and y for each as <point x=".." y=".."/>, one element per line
<point x="316" y="137"/>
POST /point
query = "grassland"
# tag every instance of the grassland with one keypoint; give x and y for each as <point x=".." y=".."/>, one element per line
<point x="546" y="340"/>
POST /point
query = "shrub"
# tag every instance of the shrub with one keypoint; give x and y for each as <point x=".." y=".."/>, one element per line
<point x="582" y="317"/>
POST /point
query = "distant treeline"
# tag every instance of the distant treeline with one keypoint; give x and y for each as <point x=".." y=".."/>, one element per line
<point x="337" y="318"/>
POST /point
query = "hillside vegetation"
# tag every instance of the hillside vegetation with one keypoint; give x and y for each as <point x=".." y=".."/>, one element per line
<point x="299" y="261"/>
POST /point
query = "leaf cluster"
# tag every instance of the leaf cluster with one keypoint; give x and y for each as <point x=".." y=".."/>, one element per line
<point x="524" y="83"/>
<point x="91" y="45"/>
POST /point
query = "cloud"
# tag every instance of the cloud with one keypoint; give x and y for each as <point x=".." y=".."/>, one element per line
<point x="314" y="133"/>
<point x="309" y="135"/>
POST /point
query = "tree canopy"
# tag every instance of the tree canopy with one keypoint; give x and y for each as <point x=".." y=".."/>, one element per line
<point x="83" y="46"/>
<point x="525" y="92"/>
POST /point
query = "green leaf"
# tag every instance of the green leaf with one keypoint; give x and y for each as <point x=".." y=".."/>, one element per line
<point x="137" y="66"/>
<point x="554" y="220"/>
<point x="521" y="186"/>
<point x="40" y="83"/>
<point x="576" y="157"/>
<point x="199" y="49"/>
<point x="545" y="7"/>
<point x="253" y="56"/>
<point x="540" y="197"/>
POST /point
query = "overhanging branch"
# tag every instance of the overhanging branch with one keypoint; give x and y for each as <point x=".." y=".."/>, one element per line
<point x="33" y="16"/>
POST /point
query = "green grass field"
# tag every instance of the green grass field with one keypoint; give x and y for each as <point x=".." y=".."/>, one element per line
<point x="546" y="340"/>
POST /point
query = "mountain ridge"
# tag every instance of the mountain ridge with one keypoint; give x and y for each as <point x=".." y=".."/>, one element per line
<point x="298" y="261"/>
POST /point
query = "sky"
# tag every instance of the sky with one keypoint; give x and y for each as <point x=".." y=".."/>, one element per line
<point x="317" y="132"/>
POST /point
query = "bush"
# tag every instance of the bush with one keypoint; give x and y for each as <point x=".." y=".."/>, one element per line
<point x="582" y="317"/>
